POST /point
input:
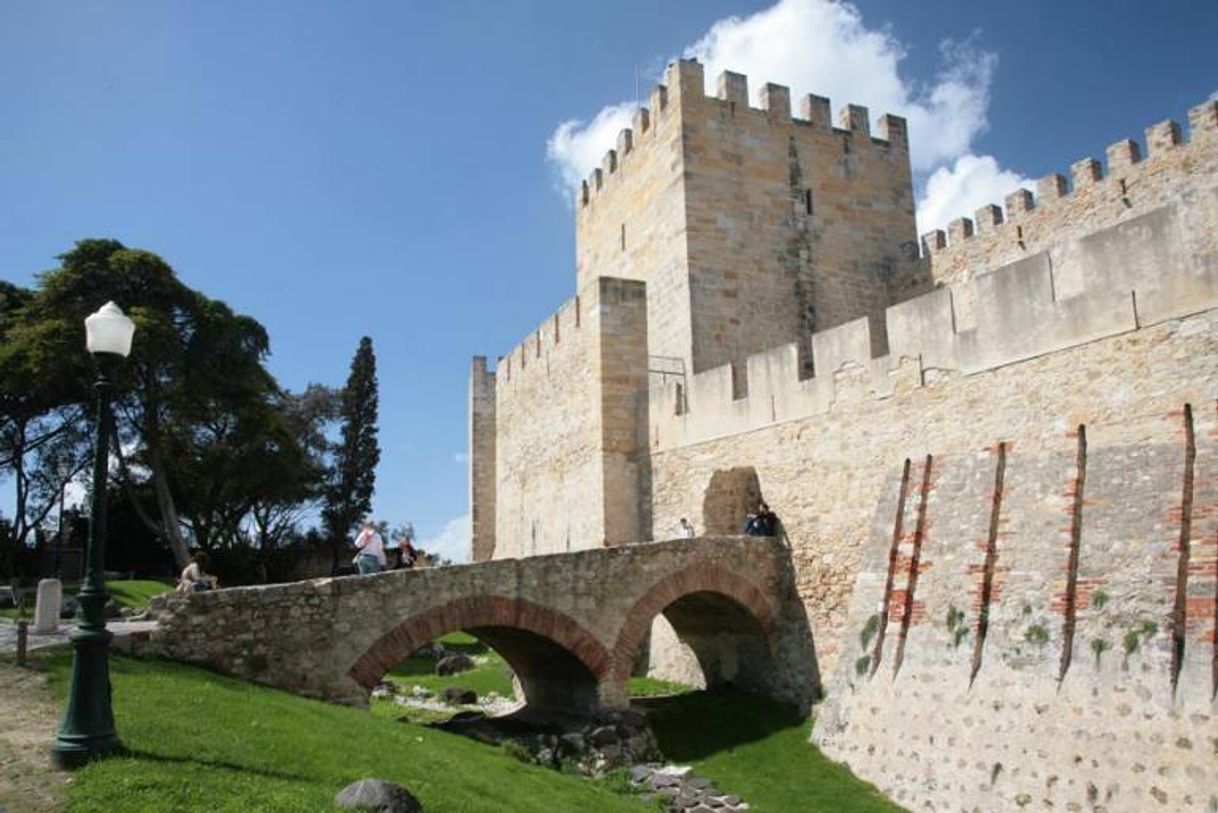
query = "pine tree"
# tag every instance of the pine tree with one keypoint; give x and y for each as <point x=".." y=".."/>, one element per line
<point x="353" y="477"/>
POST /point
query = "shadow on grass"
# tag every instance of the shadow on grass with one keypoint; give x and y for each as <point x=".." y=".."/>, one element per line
<point x="219" y="764"/>
<point x="698" y="725"/>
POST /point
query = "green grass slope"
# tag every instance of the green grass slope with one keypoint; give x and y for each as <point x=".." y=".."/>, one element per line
<point x="758" y="750"/>
<point x="202" y="742"/>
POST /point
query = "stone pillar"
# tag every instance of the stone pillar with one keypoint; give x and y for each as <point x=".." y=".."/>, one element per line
<point x="46" y="610"/>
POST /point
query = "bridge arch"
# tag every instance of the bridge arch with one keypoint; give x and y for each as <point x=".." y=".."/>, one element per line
<point x="725" y="619"/>
<point x="559" y="664"/>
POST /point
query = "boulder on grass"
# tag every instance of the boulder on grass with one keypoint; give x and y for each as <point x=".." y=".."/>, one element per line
<point x="377" y="795"/>
<point x="456" y="696"/>
<point x="452" y="664"/>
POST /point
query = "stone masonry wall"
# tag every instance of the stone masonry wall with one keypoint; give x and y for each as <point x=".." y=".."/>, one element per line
<point x="794" y="225"/>
<point x="570" y="625"/>
<point x="566" y="439"/>
<point x="481" y="460"/>
<point x="630" y="220"/>
<point x="926" y="738"/>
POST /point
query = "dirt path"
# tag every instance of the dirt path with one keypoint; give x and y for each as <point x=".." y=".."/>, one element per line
<point x="28" y="718"/>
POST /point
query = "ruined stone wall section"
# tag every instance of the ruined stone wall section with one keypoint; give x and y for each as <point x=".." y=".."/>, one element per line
<point x="567" y="426"/>
<point x="481" y="460"/>
<point x="1160" y="265"/>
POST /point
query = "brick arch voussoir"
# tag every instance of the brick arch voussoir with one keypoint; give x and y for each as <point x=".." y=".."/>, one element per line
<point x="698" y="578"/>
<point x="478" y="611"/>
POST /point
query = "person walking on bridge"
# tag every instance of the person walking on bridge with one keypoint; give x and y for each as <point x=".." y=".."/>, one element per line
<point x="371" y="555"/>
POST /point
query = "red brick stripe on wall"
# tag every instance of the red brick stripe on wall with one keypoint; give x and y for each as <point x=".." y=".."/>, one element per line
<point x="915" y="562"/>
<point x="1179" y="615"/>
<point x="1070" y="609"/>
<point x="898" y="529"/>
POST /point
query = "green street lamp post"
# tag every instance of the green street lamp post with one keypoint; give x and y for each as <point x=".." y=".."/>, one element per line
<point x="87" y="729"/>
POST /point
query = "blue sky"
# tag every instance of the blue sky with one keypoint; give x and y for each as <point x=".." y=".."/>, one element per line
<point x="397" y="169"/>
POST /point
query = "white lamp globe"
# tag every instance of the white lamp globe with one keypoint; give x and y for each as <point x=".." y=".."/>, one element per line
<point x="109" y="331"/>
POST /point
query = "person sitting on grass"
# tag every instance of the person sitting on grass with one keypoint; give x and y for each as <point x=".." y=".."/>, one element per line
<point x="195" y="577"/>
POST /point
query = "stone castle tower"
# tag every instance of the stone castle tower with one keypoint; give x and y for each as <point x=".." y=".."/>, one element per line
<point x="744" y="229"/>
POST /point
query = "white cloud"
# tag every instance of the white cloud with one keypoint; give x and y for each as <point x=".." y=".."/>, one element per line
<point x="826" y="48"/>
<point x="576" y="148"/>
<point x="959" y="190"/>
<point x="1214" y="96"/>
<point x="821" y="47"/>
<point x="452" y="541"/>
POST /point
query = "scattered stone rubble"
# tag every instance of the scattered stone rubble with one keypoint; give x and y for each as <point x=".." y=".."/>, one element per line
<point x="682" y="790"/>
<point x="592" y="747"/>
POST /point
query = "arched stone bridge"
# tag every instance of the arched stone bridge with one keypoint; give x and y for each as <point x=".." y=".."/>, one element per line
<point x="572" y="625"/>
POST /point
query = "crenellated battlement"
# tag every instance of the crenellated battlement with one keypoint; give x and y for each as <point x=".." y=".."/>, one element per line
<point x="1042" y="303"/>
<point x="1092" y="196"/>
<point x="532" y="355"/>
<point x="684" y="90"/>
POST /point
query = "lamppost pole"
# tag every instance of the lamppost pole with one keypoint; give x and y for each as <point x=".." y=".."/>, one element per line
<point x="87" y="729"/>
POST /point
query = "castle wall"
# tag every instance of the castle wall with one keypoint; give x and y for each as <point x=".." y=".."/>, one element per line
<point x="794" y="225"/>
<point x="566" y="441"/>
<point x="1008" y="513"/>
<point x="481" y="461"/>
<point x="630" y="221"/>
<point x="750" y="227"/>
<point x="924" y="736"/>
<point x="1065" y="210"/>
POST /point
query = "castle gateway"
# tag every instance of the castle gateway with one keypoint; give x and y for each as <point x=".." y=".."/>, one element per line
<point x="994" y="458"/>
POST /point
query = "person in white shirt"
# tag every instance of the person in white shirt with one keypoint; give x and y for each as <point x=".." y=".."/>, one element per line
<point x="371" y="555"/>
<point x="685" y="529"/>
<point x="195" y="577"/>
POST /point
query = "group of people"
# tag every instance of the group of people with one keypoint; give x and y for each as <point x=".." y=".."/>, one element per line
<point x="762" y="523"/>
<point x="372" y="556"/>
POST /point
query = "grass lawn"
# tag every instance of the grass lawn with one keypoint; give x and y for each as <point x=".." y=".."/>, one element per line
<point x="759" y="750"/>
<point x="202" y="742"/>
<point x="491" y="674"/>
<point x="128" y="593"/>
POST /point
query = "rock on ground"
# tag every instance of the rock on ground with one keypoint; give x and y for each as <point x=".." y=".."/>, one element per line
<point x="452" y="664"/>
<point x="377" y="795"/>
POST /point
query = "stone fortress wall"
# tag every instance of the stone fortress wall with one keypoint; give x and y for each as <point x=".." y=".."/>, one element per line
<point x="555" y="458"/>
<point x="1000" y="494"/>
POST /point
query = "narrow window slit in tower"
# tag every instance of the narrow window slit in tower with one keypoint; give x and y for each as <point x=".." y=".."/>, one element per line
<point x="897" y="530"/>
<point x="623" y="237"/>
<point x="991" y="561"/>
<point x="914" y="562"/>
<point x="1076" y="533"/>
<point x="808" y="201"/>
<point x="1179" y="615"/>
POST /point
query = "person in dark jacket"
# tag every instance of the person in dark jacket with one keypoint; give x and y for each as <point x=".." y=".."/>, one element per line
<point x="763" y="523"/>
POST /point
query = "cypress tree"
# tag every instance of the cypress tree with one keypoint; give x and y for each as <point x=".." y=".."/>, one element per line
<point x="353" y="478"/>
